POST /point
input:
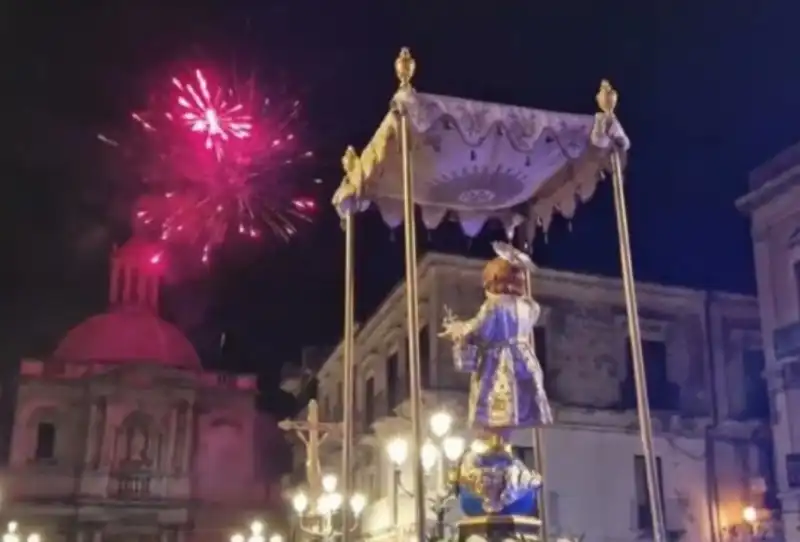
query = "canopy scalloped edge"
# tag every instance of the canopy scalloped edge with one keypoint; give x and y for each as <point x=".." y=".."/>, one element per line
<point x="481" y="161"/>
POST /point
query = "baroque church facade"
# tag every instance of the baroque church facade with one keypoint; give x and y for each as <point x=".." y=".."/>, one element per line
<point x="122" y="435"/>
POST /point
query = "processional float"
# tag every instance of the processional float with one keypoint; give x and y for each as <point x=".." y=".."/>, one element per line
<point x="475" y="162"/>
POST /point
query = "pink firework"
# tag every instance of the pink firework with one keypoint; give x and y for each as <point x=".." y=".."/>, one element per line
<point x="210" y="113"/>
<point x="252" y="183"/>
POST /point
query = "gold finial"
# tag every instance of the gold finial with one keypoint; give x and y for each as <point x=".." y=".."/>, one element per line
<point x="350" y="159"/>
<point x="606" y="98"/>
<point x="404" y="68"/>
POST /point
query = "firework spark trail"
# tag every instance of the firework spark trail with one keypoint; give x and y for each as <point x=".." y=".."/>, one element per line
<point x="211" y="115"/>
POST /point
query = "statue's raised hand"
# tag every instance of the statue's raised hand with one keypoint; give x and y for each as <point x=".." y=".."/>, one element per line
<point x="453" y="328"/>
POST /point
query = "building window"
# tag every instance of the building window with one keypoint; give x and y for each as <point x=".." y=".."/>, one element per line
<point x="369" y="403"/>
<point x="756" y="396"/>
<point x="661" y="393"/>
<point x="392" y="367"/>
<point x="424" y="356"/>
<point x="644" y="517"/>
<point x="45" y="441"/>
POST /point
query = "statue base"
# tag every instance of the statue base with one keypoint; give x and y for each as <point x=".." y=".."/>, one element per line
<point x="497" y="528"/>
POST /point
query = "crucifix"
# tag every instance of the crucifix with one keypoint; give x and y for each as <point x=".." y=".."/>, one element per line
<point x="312" y="433"/>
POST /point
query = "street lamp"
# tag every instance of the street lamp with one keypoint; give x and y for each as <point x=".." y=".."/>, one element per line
<point x="756" y="526"/>
<point x="316" y="512"/>
<point x="257" y="533"/>
<point x="12" y="534"/>
<point x="439" y="450"/>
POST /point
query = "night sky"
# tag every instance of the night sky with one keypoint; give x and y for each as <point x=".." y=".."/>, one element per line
<point x="708" y="91"/>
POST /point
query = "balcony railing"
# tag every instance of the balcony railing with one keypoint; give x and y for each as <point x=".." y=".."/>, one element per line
<point x="787" y="341"/>
<point x="131" y="486"/>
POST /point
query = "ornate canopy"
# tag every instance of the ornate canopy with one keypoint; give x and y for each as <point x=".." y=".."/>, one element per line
<point x="477" y="161"/>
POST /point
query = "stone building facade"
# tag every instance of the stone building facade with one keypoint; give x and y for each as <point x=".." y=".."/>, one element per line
<point x="121" y="434"/>
<point x="773" y="205"/>
<point x="704" y="362"/>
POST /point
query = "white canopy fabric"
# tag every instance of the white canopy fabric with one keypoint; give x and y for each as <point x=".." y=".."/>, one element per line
<point x="479" y="161"/>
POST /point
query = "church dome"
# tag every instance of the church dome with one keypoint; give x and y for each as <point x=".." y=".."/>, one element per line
<point x="131" y="332"/>
<point x="127" y="335"/>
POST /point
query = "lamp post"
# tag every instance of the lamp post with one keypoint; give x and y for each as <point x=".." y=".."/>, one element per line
<point x="257" y="533"/>
<point x="316" y="510"/>
<point x="435" y="452"/>
<point x="756" y="526"/>
<point x="12" y="534"/>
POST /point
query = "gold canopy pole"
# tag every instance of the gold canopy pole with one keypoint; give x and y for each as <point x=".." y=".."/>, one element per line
<point x="538" y="436"/>
<point x="607" y="102"/>
<point x="404" y="68"/>
<point x="538" y="439"/>
<point x="349" y="364"/>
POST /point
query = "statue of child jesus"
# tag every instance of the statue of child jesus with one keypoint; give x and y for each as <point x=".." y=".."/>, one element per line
<point x="507" y="384"/>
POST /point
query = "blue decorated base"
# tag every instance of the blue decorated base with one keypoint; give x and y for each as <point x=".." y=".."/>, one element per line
<point x="526" y="505"/>
<point x="492" y="482"/>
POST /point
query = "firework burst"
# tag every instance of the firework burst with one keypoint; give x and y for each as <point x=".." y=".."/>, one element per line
<point x="214" y="114"/>
<point x="240" y="178"/>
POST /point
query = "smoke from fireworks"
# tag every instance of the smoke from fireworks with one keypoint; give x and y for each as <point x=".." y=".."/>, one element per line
<point x="217" y="161"/>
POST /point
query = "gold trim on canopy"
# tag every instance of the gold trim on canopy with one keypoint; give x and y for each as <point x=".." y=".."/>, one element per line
<point x="480" y="161"/>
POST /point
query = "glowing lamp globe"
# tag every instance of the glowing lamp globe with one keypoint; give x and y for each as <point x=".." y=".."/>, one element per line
<point x="440" y="423"/>
<point x="357" y="503"/>
<point x="300" y="503"/>
<point x="453" y="447"/>
<point x="430" y="454"/>
<point x="329" y="483"/>
<point x="397" y="449"/>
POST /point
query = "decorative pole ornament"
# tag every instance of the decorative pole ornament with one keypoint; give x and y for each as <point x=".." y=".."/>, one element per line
<point x="404" y="67"/>
<point x="350" y="160"/>
<point x="607" y="98"/>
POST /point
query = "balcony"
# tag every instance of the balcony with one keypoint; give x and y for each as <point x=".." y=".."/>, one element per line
<point x="131" y="486"/>
<point x="787" y="341"/>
